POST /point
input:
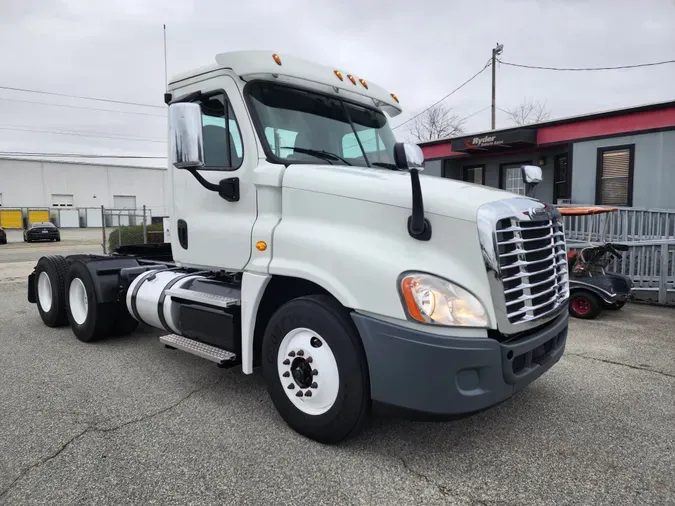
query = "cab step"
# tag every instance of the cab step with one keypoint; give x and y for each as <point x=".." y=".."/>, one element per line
<point x="217" y="355"/>
<point x="208" y="299"/>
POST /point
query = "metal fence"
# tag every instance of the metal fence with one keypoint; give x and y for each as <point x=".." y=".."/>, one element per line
<point x="650" y="235"/>
<point x="626" y="224"/>
<point x="125" y="227"/>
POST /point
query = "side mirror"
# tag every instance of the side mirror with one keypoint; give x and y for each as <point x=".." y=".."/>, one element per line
<point x="186" y="137"/>
<point x="532" y="176"/>
<point x="408" y="156"/>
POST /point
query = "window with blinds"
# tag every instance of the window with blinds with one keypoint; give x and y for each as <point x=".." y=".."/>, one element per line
<point x="614" y="179"/>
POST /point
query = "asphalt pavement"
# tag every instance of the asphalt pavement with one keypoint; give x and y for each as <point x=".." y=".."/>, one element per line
<point x="126" y="421"/>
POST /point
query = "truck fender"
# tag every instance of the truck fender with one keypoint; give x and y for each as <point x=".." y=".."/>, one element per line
<point x="252" y="289"/>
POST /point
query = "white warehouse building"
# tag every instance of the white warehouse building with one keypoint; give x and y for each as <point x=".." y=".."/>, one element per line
<point x="66" y="185"/>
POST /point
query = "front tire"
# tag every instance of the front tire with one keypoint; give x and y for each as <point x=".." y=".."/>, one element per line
<point x="89" y="319"/>
<point x="316" y="370"/>
<point x="585" y="305"/>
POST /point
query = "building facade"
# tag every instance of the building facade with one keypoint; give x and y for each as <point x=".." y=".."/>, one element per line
<point x="622" y="158"/>
<point x="65" y="186"/>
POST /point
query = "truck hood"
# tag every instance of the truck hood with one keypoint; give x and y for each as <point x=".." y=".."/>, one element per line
<point x="442" y="196"/>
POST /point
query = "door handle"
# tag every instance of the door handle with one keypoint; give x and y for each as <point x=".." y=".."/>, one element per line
<point x="182" y="228"/>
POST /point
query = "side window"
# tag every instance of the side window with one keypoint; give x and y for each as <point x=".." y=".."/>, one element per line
<point x="223" y="147"/>
<point x="614" y="185"/>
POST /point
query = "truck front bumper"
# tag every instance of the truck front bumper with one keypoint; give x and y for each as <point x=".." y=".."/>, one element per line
<point x="443" y="375"/>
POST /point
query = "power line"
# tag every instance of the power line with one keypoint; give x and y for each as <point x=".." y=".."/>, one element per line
<point x="81" y="107"/>
<point x="97" y="99"/>
<point x="586" y="69"/>
<point x="446" y="96"/>
<point x="75" y="155"/>
<point x="75" y="133"/>
<point x="477" y="112"/>
<point x="86" y="133"/>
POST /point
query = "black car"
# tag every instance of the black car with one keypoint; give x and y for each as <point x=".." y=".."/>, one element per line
<point x="41" y="231"/>
<point x="3" y="236"/>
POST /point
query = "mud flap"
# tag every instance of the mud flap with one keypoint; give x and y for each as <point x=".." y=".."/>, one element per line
<point x="31" y="288"/>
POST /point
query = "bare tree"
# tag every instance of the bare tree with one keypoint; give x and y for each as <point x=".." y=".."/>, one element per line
<point x="438" y="122"/>
<point x="529" y="111"/>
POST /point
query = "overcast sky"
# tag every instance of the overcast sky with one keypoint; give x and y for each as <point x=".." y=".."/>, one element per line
<point x="419" y="49"/>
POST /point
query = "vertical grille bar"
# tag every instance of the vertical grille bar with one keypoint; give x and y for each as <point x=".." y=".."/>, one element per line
<point x="533" y="267"/>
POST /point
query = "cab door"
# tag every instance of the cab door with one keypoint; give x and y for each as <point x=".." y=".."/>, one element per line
<point x="209" y="230"/>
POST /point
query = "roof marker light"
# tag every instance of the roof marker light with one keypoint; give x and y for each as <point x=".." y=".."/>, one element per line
<point x="393" y="95"/>
<point x="338" y="74"/>
<point x="363" y="83"/>
<point x="277" y="58"/>
<point x="351" y="78"/>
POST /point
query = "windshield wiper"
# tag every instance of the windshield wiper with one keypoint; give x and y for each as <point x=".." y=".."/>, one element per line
<point x="325" y="155"/>
<point x="386" y="165"/>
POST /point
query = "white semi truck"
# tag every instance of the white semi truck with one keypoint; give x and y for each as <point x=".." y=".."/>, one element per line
<point x="304" y="241"/>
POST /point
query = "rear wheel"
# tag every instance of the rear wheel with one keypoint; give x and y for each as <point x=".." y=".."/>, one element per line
<point x="315" y="369"/>
<point x="584" y="304"/>
<point x="50" y="280"/>
<point x="89" y="319"/>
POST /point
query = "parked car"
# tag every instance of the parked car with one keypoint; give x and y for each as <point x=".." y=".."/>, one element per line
<point x="3" y="236"/>
<point x="41" y="231"/>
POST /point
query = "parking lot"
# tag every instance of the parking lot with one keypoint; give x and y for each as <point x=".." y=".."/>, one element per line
<point x="126" y="421"/>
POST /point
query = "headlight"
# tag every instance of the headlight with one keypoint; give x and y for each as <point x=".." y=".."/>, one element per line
<point x="429" y="299"/>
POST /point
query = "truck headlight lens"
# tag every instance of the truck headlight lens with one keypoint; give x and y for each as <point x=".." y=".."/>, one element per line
<point x="429" y="299"/>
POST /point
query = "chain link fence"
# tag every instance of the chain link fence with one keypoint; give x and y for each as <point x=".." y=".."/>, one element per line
<point x="128" y="227"/>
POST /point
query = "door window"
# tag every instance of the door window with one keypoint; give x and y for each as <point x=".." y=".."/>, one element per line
<point x="223" y="147"/>
<point x="561" y="177"/>
<point x="474" y="174"/>
<point x="513" y="179"/>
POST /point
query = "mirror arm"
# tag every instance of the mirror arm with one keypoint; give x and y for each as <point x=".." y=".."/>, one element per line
<point x="206" y="184"/>
<point x="529" y="190"/>
<point x="227" y="188"/>
<point x="418" y="226"/>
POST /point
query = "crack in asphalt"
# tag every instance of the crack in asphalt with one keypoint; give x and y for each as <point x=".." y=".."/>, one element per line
<point x="97" y="428"/>
<point x="446" y="492"/>
<point x="442" y="489"/>
<point x="630" y="366"/>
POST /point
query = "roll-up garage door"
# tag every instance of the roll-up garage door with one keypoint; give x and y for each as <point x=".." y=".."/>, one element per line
<point x="11" y="218"/>
<point x="38" y="215"/>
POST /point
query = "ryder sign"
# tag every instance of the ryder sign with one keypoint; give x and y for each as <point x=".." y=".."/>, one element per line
<point x="497" y="140"/>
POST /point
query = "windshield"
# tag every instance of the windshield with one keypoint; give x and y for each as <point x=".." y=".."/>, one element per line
<point x="303" y="126"/>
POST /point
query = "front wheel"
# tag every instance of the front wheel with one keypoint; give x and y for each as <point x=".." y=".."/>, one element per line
<point x="315" y="369"/>
<point x="584" y="304"/>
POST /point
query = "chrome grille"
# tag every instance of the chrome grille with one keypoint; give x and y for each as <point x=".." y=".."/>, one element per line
<point x="532" y="265"/>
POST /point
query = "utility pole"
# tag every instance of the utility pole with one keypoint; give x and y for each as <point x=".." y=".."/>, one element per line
<point x="496" y="51"/>
<point x="166" y="76"/>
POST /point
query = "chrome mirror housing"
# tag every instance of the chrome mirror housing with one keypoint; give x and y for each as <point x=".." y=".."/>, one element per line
<point x="186" y="137"/>
<point x="408" y="156"/>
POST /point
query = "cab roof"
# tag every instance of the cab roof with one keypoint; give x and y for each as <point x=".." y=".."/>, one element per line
<point x="251" y="64"/>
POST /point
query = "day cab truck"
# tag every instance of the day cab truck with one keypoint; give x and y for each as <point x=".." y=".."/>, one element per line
<point x="305" y="242"/>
